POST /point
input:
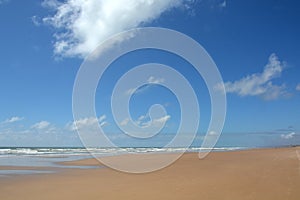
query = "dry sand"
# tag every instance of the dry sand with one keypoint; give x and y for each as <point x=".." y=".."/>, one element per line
<point x="252" y="174"/>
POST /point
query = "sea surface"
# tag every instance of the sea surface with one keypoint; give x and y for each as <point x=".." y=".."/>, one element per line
<point x="46" y="157"/>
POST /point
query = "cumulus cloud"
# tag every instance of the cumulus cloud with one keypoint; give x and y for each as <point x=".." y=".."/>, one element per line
<point x="212" y="133"/>
<point x="154" y="80"/>
<point x="41" y="125"/>
<point x="124" y="122"/>
<point x="260" y="84"/>
<point x="82" y="25"/>
<point x="131" y="91"/>
<point x="144" y="121"/>
<point x="288" y="136"/>
<point x="36" y="20"/>
<point x="298" y="87"/>
<point x="53" y="4"/>
<point x="40" y="134"/>
<point x="150" y="80"/>
<point x="162" y="120"/>
<point x="12" y="120"/>
<point x="88" y="123"/>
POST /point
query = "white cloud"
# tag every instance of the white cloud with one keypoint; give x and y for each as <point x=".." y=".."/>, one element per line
<point x="51" y="4"/>
<point x="157" y="122"/>
<point x="13" y="119"/>
<point x="144" y="121"/>
<point x="88" y="123"/>
<point x="130" y="91"/>
<point x="41" y="125"/>
<point x="162" y="120"/>
<point x="151" y="80"/>
<point x="39" y="134"/>
<point x="82" y="25"/>
<point x="124" y="122"/>
<point x="154" y="80"/>
<point x="212" y="133"/>
<point x="104" y="123"/>
<point x="288" y="136"/>
<point x="36" y="20"/>
<point x="298" y="87"/>
<point x="142" y="117"/>
<point x="260" y="84"/>
<point x="102" y="118"/>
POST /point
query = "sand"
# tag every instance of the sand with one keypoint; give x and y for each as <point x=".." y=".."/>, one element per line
<point x="251" y="174"/>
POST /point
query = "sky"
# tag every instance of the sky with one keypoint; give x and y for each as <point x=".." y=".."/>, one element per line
<point x="255" y="45"/>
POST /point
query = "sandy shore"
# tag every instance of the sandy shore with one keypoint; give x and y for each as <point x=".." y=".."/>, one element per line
<point x="252" y="174"/>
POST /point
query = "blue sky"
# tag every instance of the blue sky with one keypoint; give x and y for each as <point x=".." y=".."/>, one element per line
<point x="255" y="45"/>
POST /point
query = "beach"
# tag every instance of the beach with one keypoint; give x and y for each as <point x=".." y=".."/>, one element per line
<point x="247" y="174"/>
